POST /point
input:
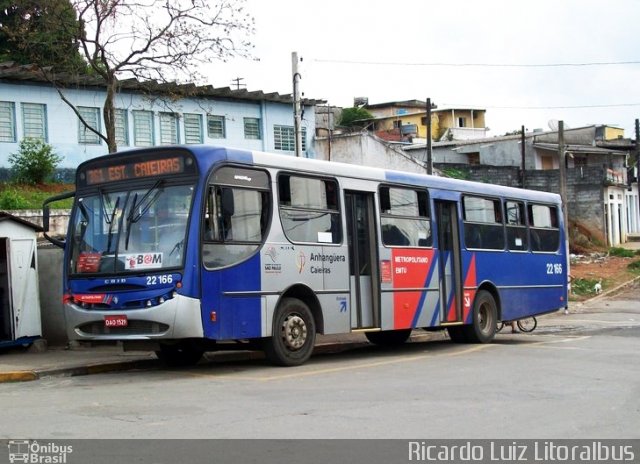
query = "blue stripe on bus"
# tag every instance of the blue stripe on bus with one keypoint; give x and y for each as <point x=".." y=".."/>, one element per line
<point x="414" y="323"/>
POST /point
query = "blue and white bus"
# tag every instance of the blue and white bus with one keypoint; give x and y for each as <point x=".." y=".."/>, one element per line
<point x="187" y="248"/>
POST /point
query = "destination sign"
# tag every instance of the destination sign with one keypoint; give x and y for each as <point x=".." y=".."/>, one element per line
<point x="136" y="167"/>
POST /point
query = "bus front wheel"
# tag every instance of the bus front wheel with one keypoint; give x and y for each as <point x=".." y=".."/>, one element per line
<point x="485" y="317"/>
<point x="294" y="334"/>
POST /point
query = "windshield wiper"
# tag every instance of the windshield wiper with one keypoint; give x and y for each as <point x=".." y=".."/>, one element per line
<point x="110" y="221"/>
<point x="145" y="203"/>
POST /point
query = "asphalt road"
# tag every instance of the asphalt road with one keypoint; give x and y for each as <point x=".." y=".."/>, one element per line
<point x="576" y="376"/>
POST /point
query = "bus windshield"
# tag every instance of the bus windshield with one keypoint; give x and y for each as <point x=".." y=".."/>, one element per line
<point x="130" y="230"/>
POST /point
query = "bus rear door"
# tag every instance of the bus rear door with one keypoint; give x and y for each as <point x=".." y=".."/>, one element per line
<point x="449" y="262"/>
<point x="364" y="281"/>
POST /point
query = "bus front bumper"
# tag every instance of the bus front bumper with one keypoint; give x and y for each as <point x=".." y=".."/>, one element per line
<point x="174" y="319"/>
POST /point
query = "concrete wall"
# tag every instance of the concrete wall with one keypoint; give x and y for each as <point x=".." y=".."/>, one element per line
<point x="367" y="150"/>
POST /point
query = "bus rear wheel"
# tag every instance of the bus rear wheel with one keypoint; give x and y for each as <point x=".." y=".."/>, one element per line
<point x="485" y="317"/>
<point x="181" y="354"/>
<point x="294" y="334"/>
<point x="388" y="337"/>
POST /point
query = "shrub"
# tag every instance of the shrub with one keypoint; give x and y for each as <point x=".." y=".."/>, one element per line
<point x="11" y="199"/>
<point x="34" y="162"/>
<point x="634" y="267"/>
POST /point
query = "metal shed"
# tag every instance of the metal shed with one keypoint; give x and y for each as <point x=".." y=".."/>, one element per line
<point x="20" y="321"/>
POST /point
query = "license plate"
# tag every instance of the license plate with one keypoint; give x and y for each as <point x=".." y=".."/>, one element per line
<point x="119" y="320"/>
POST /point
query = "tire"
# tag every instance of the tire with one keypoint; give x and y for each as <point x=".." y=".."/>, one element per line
<point x="181" y="354"/>
<point x="499" y="326"/>
<point x="388" y="337"/>
<point x="485" y="319"/>
<point x="293" y="336"/>
<point x="457" y="334"/>
<point x="528" y="324"/>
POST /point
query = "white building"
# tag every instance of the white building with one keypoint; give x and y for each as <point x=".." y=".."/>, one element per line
<point x="32" y="107"/>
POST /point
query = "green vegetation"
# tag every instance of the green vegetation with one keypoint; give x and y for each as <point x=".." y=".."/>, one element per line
<point x="353" y="117"/>
<point x="455" y="173"/>
<point x="623" y="252"/>
<point x="634" y="267"/>
<point x="21" y="196"/>
<point x="34" y="163"/>
<point x="584" y="287"/>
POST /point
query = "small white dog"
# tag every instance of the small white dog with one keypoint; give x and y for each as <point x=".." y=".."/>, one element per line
<point x="598" y="287"/>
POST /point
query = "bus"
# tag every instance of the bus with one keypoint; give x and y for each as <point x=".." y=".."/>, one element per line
<point x="188" y="249"/>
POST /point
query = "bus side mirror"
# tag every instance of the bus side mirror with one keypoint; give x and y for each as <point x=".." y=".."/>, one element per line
<point x="46" y="213"/>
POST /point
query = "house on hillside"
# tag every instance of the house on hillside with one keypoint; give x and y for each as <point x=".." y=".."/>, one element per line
<point x="602" y="191"/>
<point x="147" y="114"/>
<point x="402" y="121"/>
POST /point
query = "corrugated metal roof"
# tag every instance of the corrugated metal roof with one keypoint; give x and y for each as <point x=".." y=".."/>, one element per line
<point x="9" y="71"/>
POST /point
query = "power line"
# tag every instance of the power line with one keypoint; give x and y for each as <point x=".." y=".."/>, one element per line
<point x="560" y="107"/>
<point x="484" y="65"/>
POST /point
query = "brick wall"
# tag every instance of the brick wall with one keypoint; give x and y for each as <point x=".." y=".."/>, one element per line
<point x="584" y="188"/>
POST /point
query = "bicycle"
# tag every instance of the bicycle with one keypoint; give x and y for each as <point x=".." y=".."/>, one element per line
<point x="528" y="324"/>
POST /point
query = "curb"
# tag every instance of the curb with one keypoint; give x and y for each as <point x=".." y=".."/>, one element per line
<point x="30" y="375"/>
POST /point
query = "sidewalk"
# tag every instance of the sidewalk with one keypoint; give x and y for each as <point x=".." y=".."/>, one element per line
<point x="22" y="365"/>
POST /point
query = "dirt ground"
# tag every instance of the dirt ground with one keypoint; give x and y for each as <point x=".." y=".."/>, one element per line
<point x="612" y="270"/>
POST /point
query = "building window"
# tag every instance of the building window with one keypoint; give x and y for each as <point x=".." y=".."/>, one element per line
<point x="192" y="128"/>
<point x="284" y="138"/>
<point x="462" y="122"/>
<point x="169" y="133"/>
<point x="143" y="128"/>
<point x="7" y="122"/>
<point x="122" y="127"/>
<point x="91" y="117"/>
<point x="216" y="127"/>
<point x="474" y="158"/>
<point x="34" y="121"/>
<point x="547" y="162"/>
<point x="252" y="128"/>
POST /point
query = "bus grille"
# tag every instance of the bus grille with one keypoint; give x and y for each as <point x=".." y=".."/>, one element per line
<point x="134" y="327"/>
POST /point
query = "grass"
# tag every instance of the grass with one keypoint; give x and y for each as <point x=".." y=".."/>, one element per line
<point x="583" y="287"/>
<point x="623" y="252"/>
<point x="21" y="196"/>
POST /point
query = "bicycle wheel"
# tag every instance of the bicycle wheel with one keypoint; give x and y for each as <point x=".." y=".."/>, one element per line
<point x="528" y="324"/>
<point x="499" y="326"/>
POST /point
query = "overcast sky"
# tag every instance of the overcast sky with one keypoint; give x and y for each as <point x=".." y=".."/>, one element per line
<point x="385" y="51"/>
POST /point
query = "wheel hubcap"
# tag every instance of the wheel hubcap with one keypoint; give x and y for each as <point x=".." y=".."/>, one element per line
<point x="294" y="332"/>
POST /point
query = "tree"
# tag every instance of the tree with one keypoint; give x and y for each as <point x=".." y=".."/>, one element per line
<point x="353" y="117"/>
<point x="153" y="41"/>
<point x="28" y="35"/>
<point x="34" y="163"/>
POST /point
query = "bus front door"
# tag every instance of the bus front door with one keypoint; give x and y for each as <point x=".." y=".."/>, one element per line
<point x="449" y="262"/>
<point x="363" y="274"/>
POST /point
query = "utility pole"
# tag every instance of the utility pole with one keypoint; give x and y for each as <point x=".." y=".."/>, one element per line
<point x="638" y="161"/>
<point x="563" y="176"/>
<point x="297" y="110"/>
<point x="522" y="151"/>
<point x="429" y="148"/>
